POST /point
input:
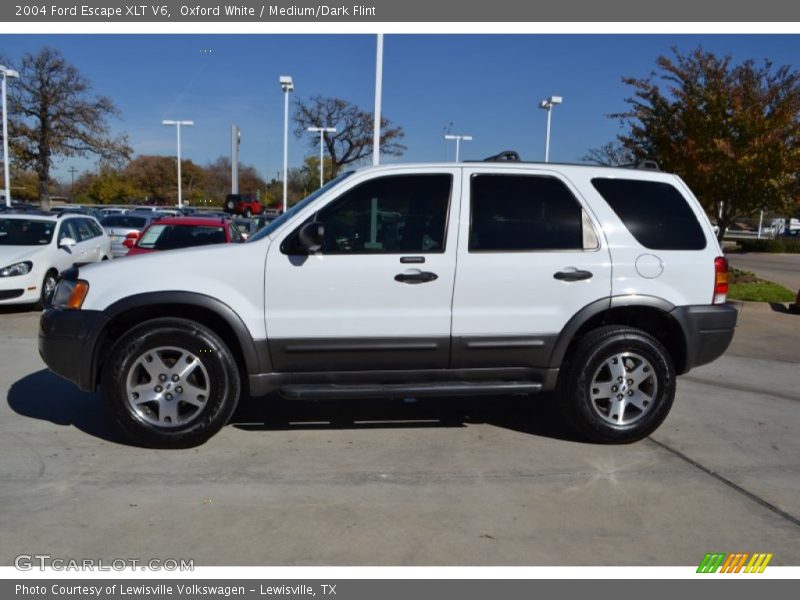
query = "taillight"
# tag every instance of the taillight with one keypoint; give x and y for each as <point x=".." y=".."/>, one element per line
<point x="130" y="239"/>
<point x="720" y="280"/>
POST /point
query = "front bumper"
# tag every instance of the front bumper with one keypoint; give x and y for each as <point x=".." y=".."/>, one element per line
<point x="708" y="330"/>
<point x="21" y="289"/>
<point x="68" y="340"/>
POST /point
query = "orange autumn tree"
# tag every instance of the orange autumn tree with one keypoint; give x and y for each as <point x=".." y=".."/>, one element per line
<point x="731" y="131"/>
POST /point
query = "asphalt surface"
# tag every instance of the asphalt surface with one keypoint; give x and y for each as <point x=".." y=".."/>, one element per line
<point x="495" y="481"/>
<point x="780" y="268"/>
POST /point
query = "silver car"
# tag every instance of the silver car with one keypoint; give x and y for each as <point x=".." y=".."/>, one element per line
<point x="126" y="227"/>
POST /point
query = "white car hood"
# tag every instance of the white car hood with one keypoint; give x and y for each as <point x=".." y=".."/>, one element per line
<point x="10" y="255"/>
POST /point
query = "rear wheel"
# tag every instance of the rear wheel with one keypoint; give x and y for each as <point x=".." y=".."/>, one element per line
<point x="170" y="383"/>
<point x="618" y="385"/>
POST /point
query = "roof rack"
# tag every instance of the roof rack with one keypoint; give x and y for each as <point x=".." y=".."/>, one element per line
<point x="505" y="156"/>
<point x="649" y="165"/>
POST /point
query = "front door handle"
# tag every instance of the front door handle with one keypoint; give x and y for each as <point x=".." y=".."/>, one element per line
<point x="572" y="274"/>
<point x="415" y="276"/>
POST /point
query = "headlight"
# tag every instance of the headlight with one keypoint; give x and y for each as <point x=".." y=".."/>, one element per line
<point x="20" y="268"/>
<point x="70" y="293"/>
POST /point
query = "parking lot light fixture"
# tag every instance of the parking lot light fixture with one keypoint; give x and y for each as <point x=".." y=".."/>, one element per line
<point x="322" y="131"/>
<point x="177" y="125"/>
<point x="6" y="73"/>
<point x="548" y="106"/>
<point x="287" y="85"/>
<point x="458" y="138"/>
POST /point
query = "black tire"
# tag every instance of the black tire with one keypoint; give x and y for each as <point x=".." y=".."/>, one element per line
<point x="50" y="277"/>
<point x="248" y="213"/>
<point x="219" y="370"/>
<point x="230" y="205"/>
<point x="577" y="385"/>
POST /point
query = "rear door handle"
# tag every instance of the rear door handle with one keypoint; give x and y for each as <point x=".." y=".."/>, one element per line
<point x="415" y="276"/>
<point x="572" y="274"/>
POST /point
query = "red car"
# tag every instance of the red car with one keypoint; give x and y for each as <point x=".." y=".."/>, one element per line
<point x="170" y="233"/>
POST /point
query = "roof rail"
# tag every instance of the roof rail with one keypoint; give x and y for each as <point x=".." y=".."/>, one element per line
<point x="647" y="164"/>
<point x="505" y="156"/>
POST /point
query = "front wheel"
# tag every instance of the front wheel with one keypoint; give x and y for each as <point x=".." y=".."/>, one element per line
<point x="618" y="385"/>
<point x="170" y="383"/>
<point x="48" y="285"/>
<point x="248" y="213"/>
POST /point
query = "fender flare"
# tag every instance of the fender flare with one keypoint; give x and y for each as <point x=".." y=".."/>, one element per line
<point x="256" y="358"/>
<point x="595" y="308"/>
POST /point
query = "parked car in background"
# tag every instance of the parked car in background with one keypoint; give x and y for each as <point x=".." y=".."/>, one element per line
<point x="243" y="204"/>
<point x="36" y="247"/>
<point x="171" y="233"/>
<point x="151" y="209"/>
<point x="77" y="209"/>
<point x="107" y="212"/>
<point x="124" y="230"/>
<point x="247" y="227"/>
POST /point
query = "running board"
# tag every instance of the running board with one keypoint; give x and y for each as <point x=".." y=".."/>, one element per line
<point x="333" y="391"/>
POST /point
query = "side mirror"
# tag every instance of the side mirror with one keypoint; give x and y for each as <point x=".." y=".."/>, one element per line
<point x="66" y="242"/>
<point x="311" y="236"/>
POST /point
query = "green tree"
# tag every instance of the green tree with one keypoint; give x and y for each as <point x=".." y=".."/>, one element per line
<point x="731" y="131"/>
<point x="111" y="186"/>
<point x="53" y="114"/>
<point x="352" y="142"/>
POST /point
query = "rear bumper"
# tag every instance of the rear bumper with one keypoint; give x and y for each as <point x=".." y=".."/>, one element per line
<point x="708" y="330"/>
<point x="67" y="342"/>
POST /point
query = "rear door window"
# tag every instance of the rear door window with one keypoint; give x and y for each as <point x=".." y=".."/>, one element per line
<point x="83" y="229"/>
<point x="518" y="213"/>
<point x="655" y="213"/>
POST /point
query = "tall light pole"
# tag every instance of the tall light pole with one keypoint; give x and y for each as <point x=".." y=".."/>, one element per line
<point x="458" y="138"/>
<point x="287" y="85"/>
<point x="6" y="72"/>
<point x="178" y="125"/>
<point x="376" y="127"/>
<point x="72" y="171"/>
<point x="322" y="131"/>
<point x="548" y="106"/>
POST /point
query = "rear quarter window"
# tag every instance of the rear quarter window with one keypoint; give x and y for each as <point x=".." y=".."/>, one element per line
<point x="655" y="213"/>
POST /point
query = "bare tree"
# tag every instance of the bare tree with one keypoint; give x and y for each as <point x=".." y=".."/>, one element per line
<point x="52" y="113"/>
<point x="352" y="141"/>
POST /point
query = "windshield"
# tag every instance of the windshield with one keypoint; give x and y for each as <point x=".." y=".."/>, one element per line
<point x="274" y="225"/>
<point x="170" y="237"/>
<point x="26" y="232"/>
<point x="124" y="221"/>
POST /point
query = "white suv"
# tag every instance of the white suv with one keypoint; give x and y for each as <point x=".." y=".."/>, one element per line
<point x="36" y="246"/>
<point x="494" y="277"/>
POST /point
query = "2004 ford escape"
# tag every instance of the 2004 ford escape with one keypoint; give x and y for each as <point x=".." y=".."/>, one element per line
<point x="413" y="280"/>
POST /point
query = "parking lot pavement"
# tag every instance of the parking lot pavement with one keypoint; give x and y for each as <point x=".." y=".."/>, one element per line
<point x="780" y="268"/>
<point x="490" y="481"/>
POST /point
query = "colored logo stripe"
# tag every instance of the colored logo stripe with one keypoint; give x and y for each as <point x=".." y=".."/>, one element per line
<point x="758" y="563"/>
<point x="733" y="563"/>
<point x="711" y="562"/>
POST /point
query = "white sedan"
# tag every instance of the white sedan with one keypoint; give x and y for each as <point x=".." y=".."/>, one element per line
<point x="36" y="246"/>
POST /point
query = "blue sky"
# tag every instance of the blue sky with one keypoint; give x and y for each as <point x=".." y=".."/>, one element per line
<point x="488" y="86"/>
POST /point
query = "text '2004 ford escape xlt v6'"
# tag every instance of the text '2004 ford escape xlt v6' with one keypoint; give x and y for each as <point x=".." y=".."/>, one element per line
<point x="491" y="277"/>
